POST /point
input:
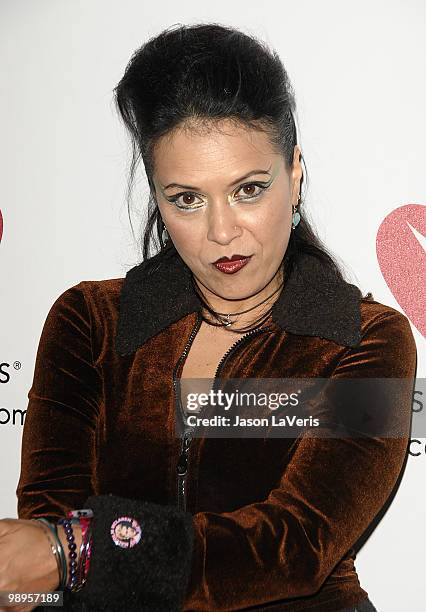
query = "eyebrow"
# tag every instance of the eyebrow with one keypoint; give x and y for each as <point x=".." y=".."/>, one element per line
<point x="230" y="185"/>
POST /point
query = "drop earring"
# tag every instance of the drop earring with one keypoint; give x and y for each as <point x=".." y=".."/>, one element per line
<point x="296" y="215"/>
<point x="165" y="235"/>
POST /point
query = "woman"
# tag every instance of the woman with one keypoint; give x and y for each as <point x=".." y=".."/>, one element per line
<point x="240" y="288"/>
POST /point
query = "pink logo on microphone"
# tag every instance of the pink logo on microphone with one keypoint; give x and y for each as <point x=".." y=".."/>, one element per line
<point x="401" y="253"/>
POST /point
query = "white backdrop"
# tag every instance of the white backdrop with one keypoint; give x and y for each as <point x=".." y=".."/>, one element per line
<point x="358" y="71"/>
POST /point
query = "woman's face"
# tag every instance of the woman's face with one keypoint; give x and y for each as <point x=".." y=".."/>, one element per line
<point x="124" y="532"/>
<point x="233" y="196"/>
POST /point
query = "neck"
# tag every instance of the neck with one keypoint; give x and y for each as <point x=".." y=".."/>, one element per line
<point x="257" y="304"/>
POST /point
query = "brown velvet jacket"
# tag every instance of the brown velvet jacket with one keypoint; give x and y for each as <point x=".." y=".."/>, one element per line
<point x="276" y="521"/>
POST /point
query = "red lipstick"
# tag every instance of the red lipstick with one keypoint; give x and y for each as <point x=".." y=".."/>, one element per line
<point x="230" y="265"/>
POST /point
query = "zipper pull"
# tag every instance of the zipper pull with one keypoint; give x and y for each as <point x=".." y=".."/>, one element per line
<point x="182" y="464"/>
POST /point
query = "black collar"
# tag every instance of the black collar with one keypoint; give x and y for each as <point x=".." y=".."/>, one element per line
<point x="313" y="302"/>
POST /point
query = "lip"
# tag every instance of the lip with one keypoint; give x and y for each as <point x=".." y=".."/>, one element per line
<point x="232" y="265"/>
<point x="232" y="258"/>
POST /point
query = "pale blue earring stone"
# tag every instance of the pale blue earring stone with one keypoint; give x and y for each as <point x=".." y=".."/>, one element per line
<point x="295" y="219"/>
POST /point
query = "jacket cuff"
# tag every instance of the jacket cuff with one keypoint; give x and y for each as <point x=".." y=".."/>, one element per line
<point x="149" y="572"/>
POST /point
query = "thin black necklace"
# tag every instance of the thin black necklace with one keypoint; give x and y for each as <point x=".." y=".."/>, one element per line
<point x="257" y="323"/>
<point x="228" y="321"/>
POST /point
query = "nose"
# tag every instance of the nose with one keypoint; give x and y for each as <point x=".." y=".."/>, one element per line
<point x="222" y="223"/>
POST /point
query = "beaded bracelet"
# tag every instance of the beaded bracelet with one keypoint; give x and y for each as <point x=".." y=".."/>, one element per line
<point x="78" y="565"/>
<point x="72" y="555"/>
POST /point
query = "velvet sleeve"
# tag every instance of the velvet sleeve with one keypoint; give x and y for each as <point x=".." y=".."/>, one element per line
<point x="60" y="421"/>
<point x="287" y="545"/>
<point x="57" y="464"/>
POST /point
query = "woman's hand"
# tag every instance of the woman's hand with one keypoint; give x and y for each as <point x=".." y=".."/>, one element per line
<point x="27" y="563"/>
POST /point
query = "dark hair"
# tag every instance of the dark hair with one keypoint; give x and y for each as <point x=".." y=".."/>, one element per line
<point x="196" y="75"/>
<point x="126" y="524"/>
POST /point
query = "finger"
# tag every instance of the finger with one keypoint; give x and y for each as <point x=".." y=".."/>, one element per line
<point x="19" y="608"/>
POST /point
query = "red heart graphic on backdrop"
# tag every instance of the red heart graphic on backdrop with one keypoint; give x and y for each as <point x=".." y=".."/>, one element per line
<point x="401" y="253"/>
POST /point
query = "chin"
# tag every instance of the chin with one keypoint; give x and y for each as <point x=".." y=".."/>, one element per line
<point x="230" y="291"/>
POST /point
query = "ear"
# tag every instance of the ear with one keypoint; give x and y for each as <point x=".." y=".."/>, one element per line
<point x="296" y="175"/>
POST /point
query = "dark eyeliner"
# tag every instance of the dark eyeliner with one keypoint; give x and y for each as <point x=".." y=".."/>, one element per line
<point x="262" y="185"/>
<point x="178" y="195"/>
<point x="173" y="199"/>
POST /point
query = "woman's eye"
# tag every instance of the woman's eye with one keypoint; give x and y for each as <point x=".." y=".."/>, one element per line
<point x="249" y="190"/>
<point x="185" y="201"/>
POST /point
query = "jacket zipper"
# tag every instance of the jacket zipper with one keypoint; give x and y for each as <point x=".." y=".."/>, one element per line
<point x="249" y="334"/>
<point x="182" y="465"/>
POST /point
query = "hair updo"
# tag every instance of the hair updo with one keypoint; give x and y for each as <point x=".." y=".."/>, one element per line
<point x="194" y="76"/>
